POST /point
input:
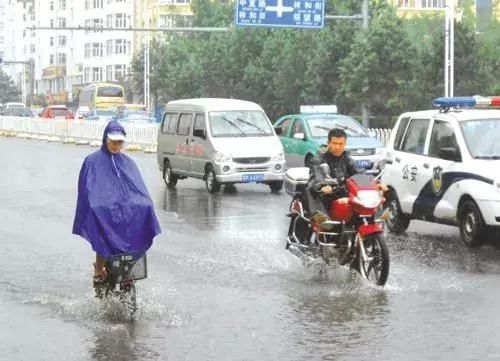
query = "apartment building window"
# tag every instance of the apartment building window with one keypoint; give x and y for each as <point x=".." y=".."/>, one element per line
<point x="121" y="20"/>
<point x="109" y="21"/>
<point x="96" y="74"/>
<point x="51" y="23"/>
<point x="62" y="40"/>
<point x="172" y="21"/>
<point x="120" y="46"/>
<point x="120" y="72"/>
<point x="32" y="48"/>
<point x="96" y="23"/>
<point x="109" y="73"/>
<point x="61" y="59"/>
<point x="51" y="59"/>
<point x="61" y="22"/>
<point x="62" y="4"/>
<point x="51" y="6"/>
<point x="97" y="50"/>
<point x="87" y="51"/>
<point x="98" y="4"/>
<point x="86" y="75"/>
<point x="51" y="41"/>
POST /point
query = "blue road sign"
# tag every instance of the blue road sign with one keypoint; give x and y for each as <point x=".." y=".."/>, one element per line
<point x="281" y="13"/>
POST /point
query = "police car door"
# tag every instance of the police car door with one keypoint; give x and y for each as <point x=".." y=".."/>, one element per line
<point x="410" y="160"/>
<point x="438" y="173"/>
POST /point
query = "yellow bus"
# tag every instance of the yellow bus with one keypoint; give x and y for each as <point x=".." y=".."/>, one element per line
<point x="102" y="96"/>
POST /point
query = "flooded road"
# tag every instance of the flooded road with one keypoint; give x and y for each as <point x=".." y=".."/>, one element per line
<point x="221" y="286"/>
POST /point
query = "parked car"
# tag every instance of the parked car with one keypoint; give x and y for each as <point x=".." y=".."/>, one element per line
<point x="104" y="114"/>
<point x="135" y="117"/>
<point x="20" y="112"/>
<point x="303" y="134"/>
<point x="82" y="112"/>
<point x="443" y="166"/>
<point x="56" y="111"/>
<point x="222" y="141"/>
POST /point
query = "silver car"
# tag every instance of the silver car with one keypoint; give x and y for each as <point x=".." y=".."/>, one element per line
<point x="222" y="141"/>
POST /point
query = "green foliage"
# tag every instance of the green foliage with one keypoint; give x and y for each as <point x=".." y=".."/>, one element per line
<point x="8" y="90"/>
<point x="395" y="65"/>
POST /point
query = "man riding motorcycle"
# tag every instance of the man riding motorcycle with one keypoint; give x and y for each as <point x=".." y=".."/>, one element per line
<point x="318" y="195"/>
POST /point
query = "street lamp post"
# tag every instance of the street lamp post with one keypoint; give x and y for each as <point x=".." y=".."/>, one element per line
<point x="449" y="49"/>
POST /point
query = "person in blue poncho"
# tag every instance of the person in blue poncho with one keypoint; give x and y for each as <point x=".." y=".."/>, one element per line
<point x="114" y="211"/>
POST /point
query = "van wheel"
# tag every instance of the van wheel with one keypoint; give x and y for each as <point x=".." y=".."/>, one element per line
<point x="211" y="181"/>
<point x="169" y="177"/>
<point x="472" y="227"/>
<point x="276" y="186"/>
<point x="397" y="222"/>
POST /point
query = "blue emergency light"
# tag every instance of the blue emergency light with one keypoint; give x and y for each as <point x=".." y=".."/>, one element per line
<point x="454" y="102"/>
<point x="475" y="101"/>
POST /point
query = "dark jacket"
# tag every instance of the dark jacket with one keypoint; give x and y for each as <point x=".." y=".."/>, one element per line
<point x="340" y="168"/>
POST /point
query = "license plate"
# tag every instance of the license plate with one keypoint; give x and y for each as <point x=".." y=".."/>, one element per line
<point x="247" y="178"/>
<point x="364" y="163"/>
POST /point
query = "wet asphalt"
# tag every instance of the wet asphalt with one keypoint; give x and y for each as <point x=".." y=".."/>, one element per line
<point x="221" y="285"/>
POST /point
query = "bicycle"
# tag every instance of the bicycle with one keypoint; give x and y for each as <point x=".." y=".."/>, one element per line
<point x="122" y="272"/>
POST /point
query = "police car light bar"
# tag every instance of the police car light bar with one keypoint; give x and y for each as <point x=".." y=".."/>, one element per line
<point x="318" y="109"/>
<point x="467" y="102"/>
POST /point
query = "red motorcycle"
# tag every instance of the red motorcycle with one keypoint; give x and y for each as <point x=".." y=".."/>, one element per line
<point x="353" y="237"/>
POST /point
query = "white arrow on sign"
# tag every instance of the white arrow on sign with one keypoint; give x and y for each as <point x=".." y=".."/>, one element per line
<point x="280" y="9"/>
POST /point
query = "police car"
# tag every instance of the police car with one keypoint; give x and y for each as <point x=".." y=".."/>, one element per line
<point x="443" y="166"/>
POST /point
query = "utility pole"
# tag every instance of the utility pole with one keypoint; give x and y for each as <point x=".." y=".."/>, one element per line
<point x="365" y="112"/>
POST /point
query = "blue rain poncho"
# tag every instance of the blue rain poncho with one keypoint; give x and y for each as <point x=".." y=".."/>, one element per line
<point x="114" y="211"/>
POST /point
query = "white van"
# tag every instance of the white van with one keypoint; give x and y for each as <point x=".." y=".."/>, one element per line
<point x="222" y="141"/>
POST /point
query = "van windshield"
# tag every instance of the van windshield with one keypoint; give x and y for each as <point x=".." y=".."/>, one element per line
<point x="241" y="123"/>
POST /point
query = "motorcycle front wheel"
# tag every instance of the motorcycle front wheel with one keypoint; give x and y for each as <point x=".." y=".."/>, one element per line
<point x="128" y="296"/>
<point x="374" y="264"/>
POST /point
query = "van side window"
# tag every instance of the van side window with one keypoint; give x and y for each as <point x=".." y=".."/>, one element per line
<point x="285" y="125"/>
<point x="414" y="140"/>
<point x="199" y="123"/>
<point x="184" y="124"/>
<point x="403" y="124"/>
<point x="164" y="122"/>
<point x="442" y="136"/>
<point x="172" y="122"/>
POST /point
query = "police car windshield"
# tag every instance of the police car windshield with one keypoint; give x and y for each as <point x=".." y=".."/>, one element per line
<point x="242" y="123"/>
<point x="320" y="126"/>
<point x="481" y="137"/>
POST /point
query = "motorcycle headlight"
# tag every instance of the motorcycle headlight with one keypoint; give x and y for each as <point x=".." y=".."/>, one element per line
<point x="369" y="199"/>
<point x="223" y="157"/>
<point x="280" y="157"/>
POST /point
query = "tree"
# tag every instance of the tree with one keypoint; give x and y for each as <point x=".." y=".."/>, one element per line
<point x="377" y="69"/>
<point x="8" y="90"/>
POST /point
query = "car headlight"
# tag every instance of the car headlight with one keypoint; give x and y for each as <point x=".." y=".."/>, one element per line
<point x="223" y="157"/>
<point x="280" y="157"/>
<point x="380" y="150"/>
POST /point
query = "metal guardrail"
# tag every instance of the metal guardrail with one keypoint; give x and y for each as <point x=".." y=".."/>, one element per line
<point x="145" y="134"/>
<point x="80" y="129"/>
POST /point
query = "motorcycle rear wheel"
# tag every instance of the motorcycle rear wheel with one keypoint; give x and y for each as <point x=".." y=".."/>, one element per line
<point x="375" y="268"/>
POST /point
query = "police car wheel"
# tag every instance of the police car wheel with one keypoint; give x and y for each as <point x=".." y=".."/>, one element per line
<point x="397" y="221"/>
<point x="211" y="181"/>
<point x="169" y="177"/>
<point x="471" y="224"/>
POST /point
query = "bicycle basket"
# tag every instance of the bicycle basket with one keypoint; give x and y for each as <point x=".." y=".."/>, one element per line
<point x="125" y="264"/>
